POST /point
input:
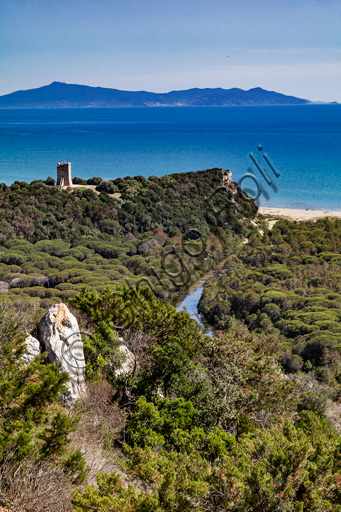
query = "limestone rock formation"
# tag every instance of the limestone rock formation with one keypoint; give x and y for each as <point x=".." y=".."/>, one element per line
<point x="227" y="178"/>
<point x="60" y="337"/>
<point x="32" y="348"/>
<point x="228" y="183"/>
<point x="128" y="365"/>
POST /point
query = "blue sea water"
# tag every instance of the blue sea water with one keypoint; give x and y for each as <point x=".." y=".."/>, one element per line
<point x="302" y="142"/>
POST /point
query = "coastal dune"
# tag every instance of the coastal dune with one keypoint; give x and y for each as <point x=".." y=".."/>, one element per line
<point x="298" y="214"/>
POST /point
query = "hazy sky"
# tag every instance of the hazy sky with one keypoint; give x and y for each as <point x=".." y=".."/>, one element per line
<point x="290" y="46"/>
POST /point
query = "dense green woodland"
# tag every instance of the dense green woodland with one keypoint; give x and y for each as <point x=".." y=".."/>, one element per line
<point x="54" y="241"/>
<point x="236" y="423"/>
<point x="288" y="284"/>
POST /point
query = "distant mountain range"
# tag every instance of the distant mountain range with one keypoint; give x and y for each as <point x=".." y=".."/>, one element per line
<point x="61" y="95"/>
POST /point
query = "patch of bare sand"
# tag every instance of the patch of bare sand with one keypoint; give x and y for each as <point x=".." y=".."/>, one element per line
<point x="297" y="214"/>
<point x="91" y="187"/>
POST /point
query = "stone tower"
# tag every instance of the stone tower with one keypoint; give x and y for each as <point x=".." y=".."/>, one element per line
<point x="64" y="174"/>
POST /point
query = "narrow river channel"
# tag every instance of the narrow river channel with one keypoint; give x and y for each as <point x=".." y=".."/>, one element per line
<point x="189" y="299"/>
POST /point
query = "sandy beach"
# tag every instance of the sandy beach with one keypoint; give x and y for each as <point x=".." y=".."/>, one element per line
<point x="297" y="214"/>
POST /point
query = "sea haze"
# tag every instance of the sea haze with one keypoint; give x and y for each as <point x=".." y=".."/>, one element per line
<point x="303" y="142"/>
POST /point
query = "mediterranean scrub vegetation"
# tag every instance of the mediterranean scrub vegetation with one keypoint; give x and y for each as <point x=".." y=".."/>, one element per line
<point x="287" y="284"/>
<point x="232" y="423"/>
<point x="54" y="241"/>
<point x="37" y="467"/>
<point x="201" y="424"/>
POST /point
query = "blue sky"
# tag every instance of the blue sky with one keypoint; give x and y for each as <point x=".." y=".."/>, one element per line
<point x="290" y="46"/>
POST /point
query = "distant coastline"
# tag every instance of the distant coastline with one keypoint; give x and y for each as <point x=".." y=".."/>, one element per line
<point x="62" y="95"/>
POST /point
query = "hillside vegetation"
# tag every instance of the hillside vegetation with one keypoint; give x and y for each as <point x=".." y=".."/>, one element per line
<point x="287" y="284"/>
<point x="240" y="422"/>
<point x="200" y="424"/>
<point x="55" y="241"/>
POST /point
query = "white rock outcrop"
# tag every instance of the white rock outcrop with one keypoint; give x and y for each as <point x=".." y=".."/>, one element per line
<point x="60" y="337"/>
<point x="227" y="178"/>
<point x="128" y="365"/>
<point x="32" y="349"/>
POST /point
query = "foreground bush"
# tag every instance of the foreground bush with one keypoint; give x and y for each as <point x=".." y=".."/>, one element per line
<point x="34" y="430"/>
<point x="289" y="467"/>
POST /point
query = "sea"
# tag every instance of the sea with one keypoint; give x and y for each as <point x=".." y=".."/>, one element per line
<point x="302" y="146"/>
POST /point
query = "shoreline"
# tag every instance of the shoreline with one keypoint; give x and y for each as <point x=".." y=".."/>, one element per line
<point x="297" y="213"/>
